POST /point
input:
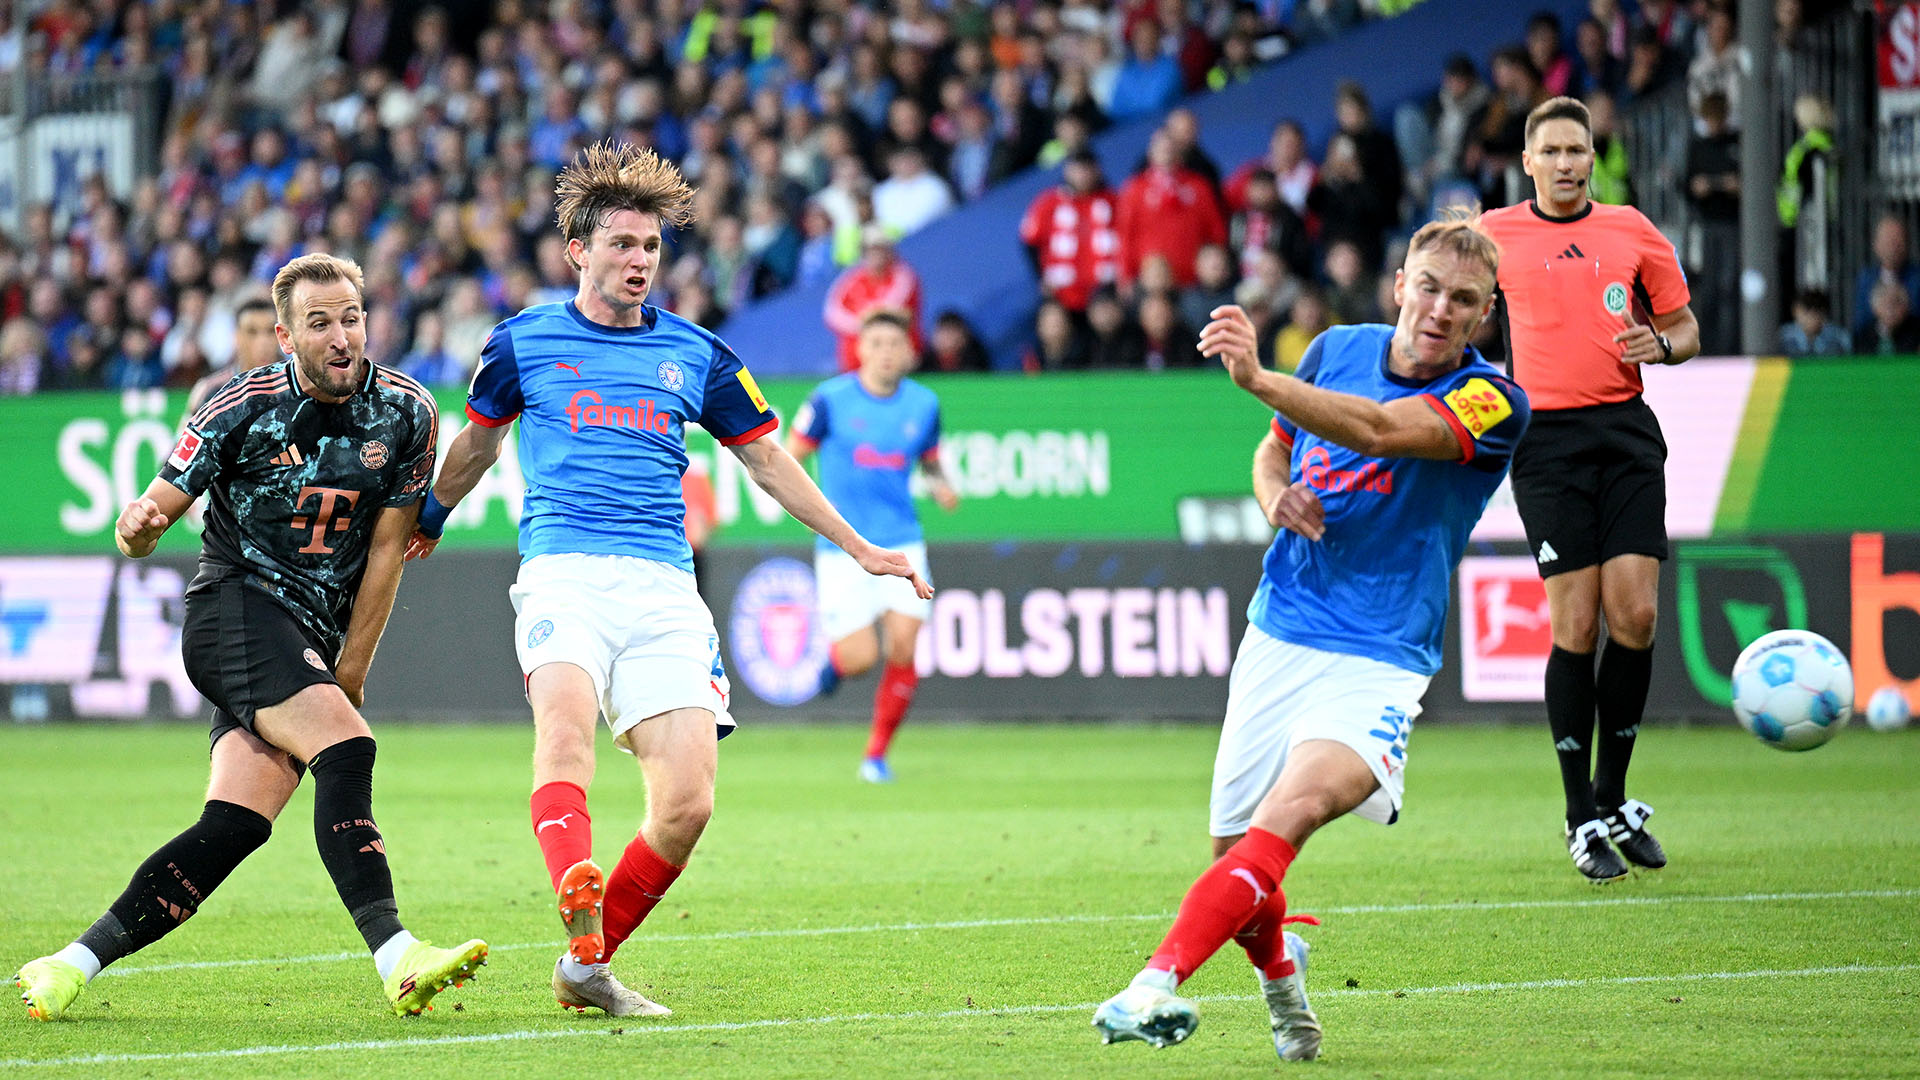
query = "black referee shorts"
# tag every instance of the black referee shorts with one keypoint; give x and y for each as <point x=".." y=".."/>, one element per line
<point x="245" y="651"/>
<point x="1590" y="484"/>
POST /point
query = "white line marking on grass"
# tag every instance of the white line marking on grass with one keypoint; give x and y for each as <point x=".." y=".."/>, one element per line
<point x="950" y="1014"/>
<point x="1066" y="920"/>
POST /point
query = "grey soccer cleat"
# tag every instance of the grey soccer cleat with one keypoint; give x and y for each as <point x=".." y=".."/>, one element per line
<point x="1296" y="1030"/>
<point x="602" y="991"/>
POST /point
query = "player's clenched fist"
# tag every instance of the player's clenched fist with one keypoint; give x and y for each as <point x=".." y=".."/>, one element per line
<point x="139" y="527"/>
<point x="1297" y="508"/>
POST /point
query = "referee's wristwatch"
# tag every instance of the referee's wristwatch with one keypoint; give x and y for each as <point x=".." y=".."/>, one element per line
<point x="1666" y="348"/>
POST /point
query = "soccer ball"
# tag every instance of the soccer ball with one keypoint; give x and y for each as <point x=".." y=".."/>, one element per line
<point x="1887" y="709"/>
<point x="1792" y="689"/>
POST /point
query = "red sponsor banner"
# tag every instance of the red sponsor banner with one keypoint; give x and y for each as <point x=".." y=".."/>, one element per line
<point x="1505" y="631"/>
<point x="1899" y="46"/>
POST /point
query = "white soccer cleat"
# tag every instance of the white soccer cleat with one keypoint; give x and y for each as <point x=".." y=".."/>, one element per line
<point x="1296" y="1030"/>
<point x="1147" y="1010"/>
<point x="601" y="990"/>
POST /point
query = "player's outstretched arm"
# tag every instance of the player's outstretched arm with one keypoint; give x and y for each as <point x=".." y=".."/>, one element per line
<point x="1404" y="427"/>
<point x="467" y="459"/>
<point x="777" y="474"/>
<point x="147" y="518"/>
<point x="373" y="604"/>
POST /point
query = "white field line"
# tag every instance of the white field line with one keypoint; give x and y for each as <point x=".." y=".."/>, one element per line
<point x="645" y="1028"/>
<point x="1067" y="920"/>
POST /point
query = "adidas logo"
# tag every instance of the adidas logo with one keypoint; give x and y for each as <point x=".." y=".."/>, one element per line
<point x="290" y="456"/>
<point x="1547" y="554"/>
<point x="1573" y="252"/>
<point x="1567" y="744"/>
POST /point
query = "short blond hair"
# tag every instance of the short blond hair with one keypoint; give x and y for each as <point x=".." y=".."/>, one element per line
<point x="318" y="267"/>
<point x="1457" y="231"/>
<point x="608" y="177"/>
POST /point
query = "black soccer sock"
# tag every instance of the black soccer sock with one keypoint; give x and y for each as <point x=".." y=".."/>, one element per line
<point x="350" y="844"/>
<point x="176" y="879"/>
<point x="1570" y="694"/>
<point x="1621" y="694"/>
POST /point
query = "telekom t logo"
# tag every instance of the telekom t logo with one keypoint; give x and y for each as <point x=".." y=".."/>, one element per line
<point x="332" y="513"/>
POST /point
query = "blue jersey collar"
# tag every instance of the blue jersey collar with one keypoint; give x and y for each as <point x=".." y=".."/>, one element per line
<point x="649" y="315"/>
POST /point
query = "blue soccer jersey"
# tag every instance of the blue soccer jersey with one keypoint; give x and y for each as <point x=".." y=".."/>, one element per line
<point x="602" y="413"/>
<point x="867" y="450"/>
<point x="1375" y="584"/>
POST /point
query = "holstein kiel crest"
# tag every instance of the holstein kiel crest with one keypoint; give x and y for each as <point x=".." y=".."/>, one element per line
<point x="777" y="646"/>
<point x="670" y="375"/>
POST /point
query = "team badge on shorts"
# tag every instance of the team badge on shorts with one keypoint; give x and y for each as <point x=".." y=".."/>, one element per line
<point x="1615" y="298"/>
<point x="777" y="645"/>
<point x="670" y="375"/>
<point x="373" y="453"/>
<point x="538" y="634"/>
<point x="313" y="659"/>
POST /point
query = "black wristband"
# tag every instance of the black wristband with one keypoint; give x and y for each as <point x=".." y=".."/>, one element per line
<point x="1666" y="348"/>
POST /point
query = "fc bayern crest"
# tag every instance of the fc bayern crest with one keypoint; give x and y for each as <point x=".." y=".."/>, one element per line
<point x="777" y="645"/>
<point x="373" y="453"/>
<point x="539" y="633"/>
<point x="671" y="376"/>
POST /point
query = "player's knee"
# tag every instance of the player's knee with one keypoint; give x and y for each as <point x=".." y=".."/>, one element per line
<point x="1632" y="623"/>
<point x="1576" y="631"/>
<point x="684" y="815"/>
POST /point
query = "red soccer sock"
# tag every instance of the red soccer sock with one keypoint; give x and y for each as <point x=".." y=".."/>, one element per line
<point x="1223" y="900"/>
<point x="890" y="704"/>
<point x="561" y="825"/>
<point x="638" y="882"/>
<point x="1264" y="936"/>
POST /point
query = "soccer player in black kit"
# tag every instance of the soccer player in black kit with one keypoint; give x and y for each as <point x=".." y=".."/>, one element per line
<point x="316" y="466"/>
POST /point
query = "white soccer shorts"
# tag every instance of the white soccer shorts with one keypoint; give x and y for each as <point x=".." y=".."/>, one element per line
<point x="850" y="599"/>
<point x="1280" y="695"/>
<point x="637" y="628"/>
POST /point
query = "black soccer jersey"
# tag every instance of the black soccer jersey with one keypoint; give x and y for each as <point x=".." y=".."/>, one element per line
<point x="296" y="483"/>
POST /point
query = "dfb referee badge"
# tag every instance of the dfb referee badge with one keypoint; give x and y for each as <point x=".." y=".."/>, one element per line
<point x="1615" y="298"/>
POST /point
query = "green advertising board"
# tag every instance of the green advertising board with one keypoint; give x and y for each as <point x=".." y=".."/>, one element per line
<point x="1767" y="446"/>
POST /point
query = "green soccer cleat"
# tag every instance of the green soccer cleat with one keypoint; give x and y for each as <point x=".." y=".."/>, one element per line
<point x="425" y="971"/>
<point x="48" y="986"/>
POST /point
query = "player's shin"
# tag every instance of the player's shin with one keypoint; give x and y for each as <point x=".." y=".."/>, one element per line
<point x="174" y="881"/>
<point x="1620" y="691"/>
<point x="1570" y="702"/>
<point x="898" y="683"/>
<point x="350" y="844"/>
<point x="1223" y="900"/>
<point x="638" y="882"/>
<point x="562" y="826"/>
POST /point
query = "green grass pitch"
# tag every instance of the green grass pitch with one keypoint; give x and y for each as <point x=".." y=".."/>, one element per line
<point x="964" y="921"/>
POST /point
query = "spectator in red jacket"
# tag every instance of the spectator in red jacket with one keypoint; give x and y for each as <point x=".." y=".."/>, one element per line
<point x="881" y="279"/>
<point x="1167" y="210"/>
<point x="1069" y="232"/>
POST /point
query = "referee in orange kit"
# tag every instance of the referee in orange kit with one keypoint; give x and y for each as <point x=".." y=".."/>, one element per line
<point x="1591" y="292"/>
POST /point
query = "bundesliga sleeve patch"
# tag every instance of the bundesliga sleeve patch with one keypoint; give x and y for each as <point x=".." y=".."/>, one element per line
<point x="752" y="388"/>
<point x="185" y="450"/>
<point x="1479" y="405"/>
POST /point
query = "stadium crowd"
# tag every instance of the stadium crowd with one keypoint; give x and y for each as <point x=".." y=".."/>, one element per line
<point x="424" y="146"/>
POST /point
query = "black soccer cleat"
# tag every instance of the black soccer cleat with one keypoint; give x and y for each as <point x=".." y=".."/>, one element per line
<point x="1592" y="855"/>
<point x="1627" y="828"/>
